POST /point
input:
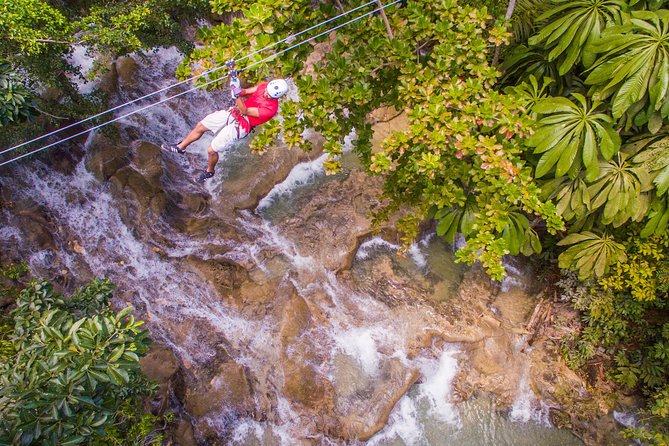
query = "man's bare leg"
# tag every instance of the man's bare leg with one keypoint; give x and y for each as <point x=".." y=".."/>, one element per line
<point x="193" y="136"/>
<point x="212" y="159"/>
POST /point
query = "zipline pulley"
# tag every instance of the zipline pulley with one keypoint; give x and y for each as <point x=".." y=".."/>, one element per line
<point x="235" y="84"/>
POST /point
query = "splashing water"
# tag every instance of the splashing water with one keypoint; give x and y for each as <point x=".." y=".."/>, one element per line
<point x="186" y="312"/>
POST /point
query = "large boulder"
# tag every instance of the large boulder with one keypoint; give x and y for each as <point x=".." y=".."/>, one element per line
<point x="329" y="226"/>
<point x="303" y="383"/>
<point x="104" y="158"/>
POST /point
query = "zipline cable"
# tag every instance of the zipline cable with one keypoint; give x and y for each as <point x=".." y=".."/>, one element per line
<point x="272" y="45"/>
<point x="197" y="87"/>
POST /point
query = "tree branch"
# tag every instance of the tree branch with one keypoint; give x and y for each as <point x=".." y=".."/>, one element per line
<point x="53" y="41"/>
<point x="507" y="16"/>
<point x="385" y="19"/>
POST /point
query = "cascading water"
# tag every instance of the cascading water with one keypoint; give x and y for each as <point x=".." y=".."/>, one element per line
<point x="364" y="352"/>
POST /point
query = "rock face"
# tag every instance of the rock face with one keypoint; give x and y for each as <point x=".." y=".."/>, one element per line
<point x="330" y="226"/>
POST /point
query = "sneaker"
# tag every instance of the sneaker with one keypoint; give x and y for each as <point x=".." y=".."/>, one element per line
<point x="204" y="176"/>
<point x="172" y="148"/>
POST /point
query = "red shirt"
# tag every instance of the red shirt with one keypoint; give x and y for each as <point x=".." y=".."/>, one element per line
<point x="267" y="107"/>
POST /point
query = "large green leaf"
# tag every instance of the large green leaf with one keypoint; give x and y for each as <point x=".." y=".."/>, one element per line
<point x="654" y="159"/>
<point x="633" y="65"/>
<point x="572" y="135"/>
<point x="590" y="254"/>
<point x="618" y="188"/>
<point x="574" y="23"/>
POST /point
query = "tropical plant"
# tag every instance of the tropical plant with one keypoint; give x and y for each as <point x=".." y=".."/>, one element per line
<point x="621" y="191"/>
<point x="531" y="92"/>
<point x="647" y="4"/>
<point x="571" y="135"/>
<point x="654" y="159"/>
<point x="633" y="68"/>
<point x="571" y="196"/>
<point x="590" y="254"/>
<point x="523" y="20"/>
<point x="522" y="63"/>
<point x="574" y="24"/>
<point x="73" y="365"/>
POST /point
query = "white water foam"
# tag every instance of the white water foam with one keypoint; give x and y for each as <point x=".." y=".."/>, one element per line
<point x="418" y="256"/>
<point x="80" y="58"/>
<point x="10" y="233"/>
<point x="627" y="419"/>
<point x="514" y="275"/>
<point x="112" y="250"/>
<point x="268" y="236"/>
<point x="369" y="246"/>
<point x="360" y="344"/>
<point x="301" y="175"/>
<point x="526" y="407"/>
<point x="430" y="398"/>
<point x="403" y="423"/>
<point x="437" y="384"/>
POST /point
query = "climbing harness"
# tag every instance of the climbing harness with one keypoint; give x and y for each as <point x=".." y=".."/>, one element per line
<point x="162" y="101"/>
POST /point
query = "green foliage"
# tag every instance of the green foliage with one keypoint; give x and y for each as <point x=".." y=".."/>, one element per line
<point x="39" y="35"/>
<point x="620" y="190"/>
<point x="654" y="159"/>
<point x="633" y="68"/>
<point x="590" y="254"/>
<point x="16" y="101"/>
<point x="625" y="325"/>
<point x="571" y="135"/>
<point x="523" y="20"/>
<point x="265" y="136"/>
<point x="573" y="25"/>
<point x="74" y="364"/>
<point x="30" y="26"/>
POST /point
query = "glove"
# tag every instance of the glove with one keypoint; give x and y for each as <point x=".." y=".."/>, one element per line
<point x="235" y="87"/>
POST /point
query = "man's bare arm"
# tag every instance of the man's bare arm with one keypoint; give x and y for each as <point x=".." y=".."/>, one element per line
<point x="248" y="111"/>
<point x="248" y="91"/>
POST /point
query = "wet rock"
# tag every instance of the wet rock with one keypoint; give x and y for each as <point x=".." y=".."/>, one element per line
<point x="108" y="81"/>
<point x="303" y="383"/>
<point x="144" y="197"/>
<point x="36" y="227"/>
<point x="227" y="390"/>
<point x="366" y="414"/>
<point x="330" y="225"/>
<point x="127" y="71"/>
<point x="160" y="365"/>
<point x="104" y="159"/>
<point x="245" y="186"/>
<point x="385" y="121"/>
<point x="226" y="276"/>
<point x="183" y="434"/>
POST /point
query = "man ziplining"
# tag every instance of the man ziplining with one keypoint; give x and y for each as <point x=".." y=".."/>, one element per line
<point x="261" y="104"/>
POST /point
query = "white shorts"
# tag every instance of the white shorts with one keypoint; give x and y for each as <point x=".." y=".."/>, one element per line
<point x="226" y="129"/>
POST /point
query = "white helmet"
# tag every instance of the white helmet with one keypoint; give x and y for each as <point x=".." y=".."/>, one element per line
<point x="277" y="88"/>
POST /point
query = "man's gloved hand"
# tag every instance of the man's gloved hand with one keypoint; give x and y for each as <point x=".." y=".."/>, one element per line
<point x="235" y="87"/>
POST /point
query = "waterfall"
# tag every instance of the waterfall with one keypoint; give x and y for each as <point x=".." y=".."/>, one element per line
<point x="369" y="350"/>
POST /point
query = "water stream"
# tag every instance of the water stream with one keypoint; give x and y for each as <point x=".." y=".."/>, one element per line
<point x="358" y="339"/>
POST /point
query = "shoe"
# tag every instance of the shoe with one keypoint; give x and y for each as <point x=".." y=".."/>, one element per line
<point x="172" y="148"/>
<point x="204" y="176"/>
